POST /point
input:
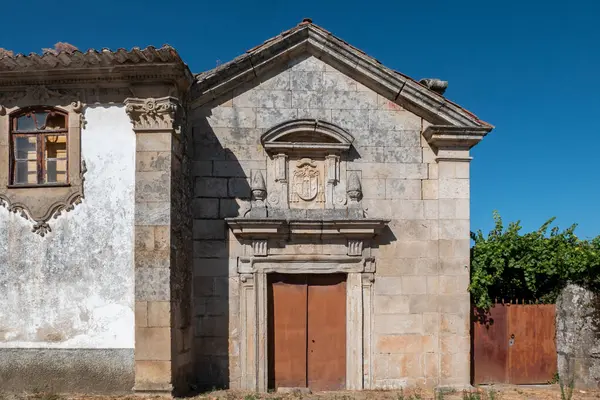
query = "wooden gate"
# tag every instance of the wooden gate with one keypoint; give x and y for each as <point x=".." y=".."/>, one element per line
<point x="515" y="343"/>
<point x="307" y="331"/>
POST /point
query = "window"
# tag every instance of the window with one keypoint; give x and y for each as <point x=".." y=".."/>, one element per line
<point x="39" y="147"/>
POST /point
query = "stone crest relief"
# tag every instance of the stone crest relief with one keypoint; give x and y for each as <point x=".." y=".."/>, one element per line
<point x="307" y="182"/>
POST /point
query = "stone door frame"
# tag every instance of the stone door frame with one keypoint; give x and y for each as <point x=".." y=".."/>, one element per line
<point x="254" y="339"/>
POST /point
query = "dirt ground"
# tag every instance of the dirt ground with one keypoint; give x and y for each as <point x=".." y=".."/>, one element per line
<point x="503" y="392"/>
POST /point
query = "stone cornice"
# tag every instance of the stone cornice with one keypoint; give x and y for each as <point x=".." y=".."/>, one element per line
<point x="151" y="114"/>
<point x="455" y="137"/>
<point x="259" y="228"/>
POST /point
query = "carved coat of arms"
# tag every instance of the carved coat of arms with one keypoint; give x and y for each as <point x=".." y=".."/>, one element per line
<point x="306" y="182"/>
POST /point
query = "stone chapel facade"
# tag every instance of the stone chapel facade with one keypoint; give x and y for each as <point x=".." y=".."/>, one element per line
<point x="297" y="217"/>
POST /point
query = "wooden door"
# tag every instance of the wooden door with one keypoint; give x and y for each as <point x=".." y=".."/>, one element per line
<point x="307" y="331"/>
<point x="326" y="332"/>
<point x="287" y="297"/>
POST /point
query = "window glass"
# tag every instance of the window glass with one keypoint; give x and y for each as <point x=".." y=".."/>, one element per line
<point x="25" y="147"/>
<point x="56" y="159"/>
<point x="40" y="120"/>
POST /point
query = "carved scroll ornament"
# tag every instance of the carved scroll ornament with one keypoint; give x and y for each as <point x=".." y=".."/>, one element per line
<point x="36" y="212"/>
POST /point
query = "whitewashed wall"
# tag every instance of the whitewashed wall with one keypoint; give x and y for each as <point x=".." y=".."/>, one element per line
<point x="74" y="288"/>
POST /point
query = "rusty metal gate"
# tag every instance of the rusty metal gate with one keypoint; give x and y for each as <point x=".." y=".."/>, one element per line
<point x="514" y="343"/>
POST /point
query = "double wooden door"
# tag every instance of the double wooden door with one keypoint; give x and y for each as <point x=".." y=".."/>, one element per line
<point x="307" y="331"/>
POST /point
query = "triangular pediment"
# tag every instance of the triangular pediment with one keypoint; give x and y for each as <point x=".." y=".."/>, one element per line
<point x="308" y="39"/>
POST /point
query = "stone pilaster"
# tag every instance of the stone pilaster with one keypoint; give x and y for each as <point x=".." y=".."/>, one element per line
<point x="449" y="187"/>
<point x="162" y="232"/>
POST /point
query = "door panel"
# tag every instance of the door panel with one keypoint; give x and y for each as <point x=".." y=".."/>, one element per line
<point x="287" y="297"/>
<point x="490" y="347"/>
<point x="532" y="355"/>
<point x="326" y="332"/>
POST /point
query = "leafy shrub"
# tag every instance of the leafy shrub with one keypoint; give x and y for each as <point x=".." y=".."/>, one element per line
<point x="533" y="267"/>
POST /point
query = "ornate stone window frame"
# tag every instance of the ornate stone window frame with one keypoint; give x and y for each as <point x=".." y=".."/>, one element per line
<point x="41" y="203"/>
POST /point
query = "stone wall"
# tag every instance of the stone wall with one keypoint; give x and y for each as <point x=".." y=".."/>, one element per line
<point x="421" y="304"/>
<point x="182" y="185"/>
<point x="66" y="321"/>
<point x="578" y="338"/>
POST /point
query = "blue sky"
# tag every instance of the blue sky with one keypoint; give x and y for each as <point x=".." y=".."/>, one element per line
<point x="529" y="67"/>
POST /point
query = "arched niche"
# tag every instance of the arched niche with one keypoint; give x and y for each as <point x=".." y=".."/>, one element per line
<point x="306" y="136"/>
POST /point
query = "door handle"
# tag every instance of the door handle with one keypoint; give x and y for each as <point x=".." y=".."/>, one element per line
<point x="511" y="341"/>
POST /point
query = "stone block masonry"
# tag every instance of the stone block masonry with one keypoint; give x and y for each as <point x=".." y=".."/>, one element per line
<point x="420" y="302"/>
<point x="163" y="247"/>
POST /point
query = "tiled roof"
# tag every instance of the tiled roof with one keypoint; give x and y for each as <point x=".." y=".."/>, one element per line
<point x="90" y="58"/>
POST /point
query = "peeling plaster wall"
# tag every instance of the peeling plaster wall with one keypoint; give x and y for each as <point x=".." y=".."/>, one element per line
<point x="74" y="288"/>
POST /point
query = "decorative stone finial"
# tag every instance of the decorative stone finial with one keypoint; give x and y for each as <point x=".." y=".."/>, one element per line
<point x="353" y="188"/>
<point x="437" y="85"/>
<point x="259" y="189"/>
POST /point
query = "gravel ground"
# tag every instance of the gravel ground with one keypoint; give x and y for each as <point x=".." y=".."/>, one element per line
<point x="500" y="392"/>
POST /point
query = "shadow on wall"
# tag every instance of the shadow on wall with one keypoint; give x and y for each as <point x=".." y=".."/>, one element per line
<point x="220" y="185"/>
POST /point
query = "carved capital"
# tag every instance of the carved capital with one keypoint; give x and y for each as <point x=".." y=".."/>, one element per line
<point x="154" y="114"/>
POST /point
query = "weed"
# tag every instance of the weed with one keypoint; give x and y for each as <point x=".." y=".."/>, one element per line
<point x="471" y="395"/>
<point x="555" y="379"/>
<point x="492" y="394"/>
<point x="414" y="396"/>
<point x="251" y="397"/>
<point x="46" y="396"/>
<point x="566" y="393"/>
<point x="401" y="395"/>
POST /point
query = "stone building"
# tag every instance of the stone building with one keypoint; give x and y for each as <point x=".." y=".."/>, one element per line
<point x="296" y="217"/>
